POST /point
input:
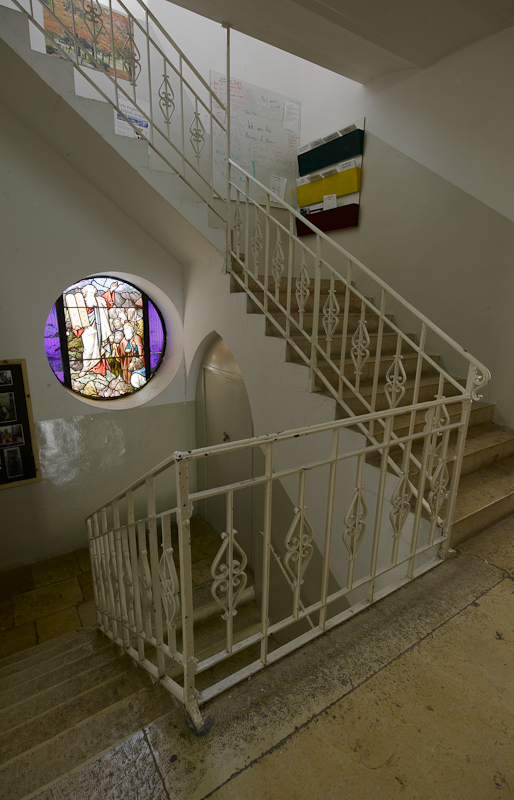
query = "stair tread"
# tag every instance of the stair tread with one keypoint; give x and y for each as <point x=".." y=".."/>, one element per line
<point x="64" y="715"/>
<point x="85" y="740"/>
<point x="46" y="699"/>
<point x="39" y="666"/>
<point x="40" y="649"/>
<point x="484" y="488"/>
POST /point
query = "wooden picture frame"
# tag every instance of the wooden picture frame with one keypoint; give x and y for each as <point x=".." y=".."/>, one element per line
<point x="19" y="458"/>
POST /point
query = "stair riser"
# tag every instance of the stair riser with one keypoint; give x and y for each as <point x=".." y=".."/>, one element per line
<point x="368" y="370"/>
<point x="252" y="308"/>
<point x="425" y="393"/>
<point x="353" y="321"/>
<point x="19" y="661"/>
<point x="475" y="523"/>
<point x="339" y="286"/>
<point x="389" y="342"/>
<point x="480" y="415"/>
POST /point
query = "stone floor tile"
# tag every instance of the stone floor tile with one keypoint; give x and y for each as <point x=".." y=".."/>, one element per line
<point x="86" y="584"/>
<point x="52" y="570"/>
<point x="46" y="600"/>
<point x="6" y="615"/>
<point x="56" y="624"/>
<point x="83" y="559"/>
<point x="87" y="614"/>
<point x="17" y="639"/>
<point x="495" y="544"/>
<point x="426" y="727"/>
<point x="15" y="581"/>
<point x="201" y="571"/>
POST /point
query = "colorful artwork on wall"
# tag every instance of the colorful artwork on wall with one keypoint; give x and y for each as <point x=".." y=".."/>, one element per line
<point x="19" y="461"/>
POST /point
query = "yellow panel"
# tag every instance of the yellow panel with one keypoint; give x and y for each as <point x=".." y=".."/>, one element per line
<point x="342" y="183"/>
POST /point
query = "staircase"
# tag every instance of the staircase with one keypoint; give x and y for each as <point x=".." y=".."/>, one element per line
<point x="486" y="488"/>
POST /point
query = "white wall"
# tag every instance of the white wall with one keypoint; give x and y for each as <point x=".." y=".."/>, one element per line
<point x="55" y="229"/>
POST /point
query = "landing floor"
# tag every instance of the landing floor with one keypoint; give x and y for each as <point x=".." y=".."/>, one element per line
<point x="413" y="698"/>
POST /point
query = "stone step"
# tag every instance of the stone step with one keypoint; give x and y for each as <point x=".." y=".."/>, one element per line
<point x="372" y="321"/>
<point x="46" y="699"/>
<point x="389" y="342"/>
<point x="83" y="741"/>
<point x="53" y="678"/>
<point x="255" y="285"/>
<point x="428" y="389"/>
<point x="409" y="361"/>
<point x="481" y="414"/>
<point x="355" y="303"/>
<point x="484" y="497"/>
<point x="37" y="667"/>
<point x="64" y="642"/>
<point x="71" y="711"/>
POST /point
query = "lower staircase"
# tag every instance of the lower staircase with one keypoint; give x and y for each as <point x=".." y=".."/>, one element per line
<point x="66" y="701"/>
<point x="486" y="489"/>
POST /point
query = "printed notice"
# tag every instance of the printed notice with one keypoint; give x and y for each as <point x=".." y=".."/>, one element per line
<point x="140" y="122"/>
<point x="329" y="201"/>
<point x="292" y="116"/>
<point x="278" y="185"/>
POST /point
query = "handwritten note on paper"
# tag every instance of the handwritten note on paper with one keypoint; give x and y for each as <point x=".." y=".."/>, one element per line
<point x="329" y="201"/>
<point x="292" y="116"/>
<point x="278" y="185"/>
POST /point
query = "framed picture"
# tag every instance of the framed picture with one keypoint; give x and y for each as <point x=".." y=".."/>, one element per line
<point x="19" y="460"/>
<point x="5" y="377"/>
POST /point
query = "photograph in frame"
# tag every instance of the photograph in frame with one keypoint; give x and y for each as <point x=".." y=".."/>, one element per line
<point x="13" y="462"/>
<point x="12" y="435"/>
<point x="7" y="407"/>
<point x="5" y="377"/>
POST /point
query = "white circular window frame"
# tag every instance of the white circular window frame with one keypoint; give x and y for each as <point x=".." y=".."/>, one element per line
<point x="173" y="351"/>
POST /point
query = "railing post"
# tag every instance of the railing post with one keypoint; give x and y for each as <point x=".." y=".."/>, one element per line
<point x="184" y="511"/>
<point x="315" y="315"/>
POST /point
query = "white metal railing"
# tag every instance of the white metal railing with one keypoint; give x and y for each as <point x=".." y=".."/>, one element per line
<point x="371" y="540"/>
<point x="129" y="58"/>
<point x="312" y="293"/>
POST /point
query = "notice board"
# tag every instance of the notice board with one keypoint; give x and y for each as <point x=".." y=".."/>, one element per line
<point x="19" y="461"/>
<point x="265" y="135"/>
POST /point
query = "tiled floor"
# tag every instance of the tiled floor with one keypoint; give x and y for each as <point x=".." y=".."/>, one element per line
<point x="43" y="600"/>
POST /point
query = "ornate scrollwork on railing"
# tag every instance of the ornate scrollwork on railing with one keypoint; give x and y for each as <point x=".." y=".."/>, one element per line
<point x="439" y="490"/>
<point x="130" y="55"/>
<point x="400" y="502"/>
<point x="395" y="380"/>
<point x="229" y="578"/>
<point x="479" y="381"/>
<point x="360" y="346"/>
<point x="277" y="263"/>
<point x="166" y="99"/>
<point x="440" y="420"/>
<point x="145" y="582"/>
<point x="170" y="587"/>
<point x="331" y="310"/>
<point x="128" y="580"/>
<point x="256" y="242"/>
<point x="197" y="134"/>
<point x="113" y="573"/>
<point x="93" y="20"/>
<point x="302" y="288"/>
<point x="238" y="224"/>
<point x="299" y="547"/>
<point x="355" y="521"/>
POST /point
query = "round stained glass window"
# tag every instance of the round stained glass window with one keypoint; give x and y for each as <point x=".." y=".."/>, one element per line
<point x="104" y="338"/>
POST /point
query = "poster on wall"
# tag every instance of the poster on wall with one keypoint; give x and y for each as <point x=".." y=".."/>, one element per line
<point x="19" y="462"/>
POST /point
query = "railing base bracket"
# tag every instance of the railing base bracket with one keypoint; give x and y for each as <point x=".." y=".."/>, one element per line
<point x="207" y="725"/>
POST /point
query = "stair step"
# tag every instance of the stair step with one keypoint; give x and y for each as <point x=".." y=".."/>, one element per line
<point x="428" y="389"/>
<point x="69" y="712"/>
<point x="54" y="677"/>
<point x="481" y="414"/>
<point x="372" y="321"/>
<point x="13" y="663"/>
<point x="37" y="667"/>
<point x="354" y="304"/>
<point x="409" y="360"/>
<point x="484" y="497"/>
<point x="46" y="699"/>
<point x="255" y="285"/>
<point x="389" y="342"/>
<point x="83" y="741"/>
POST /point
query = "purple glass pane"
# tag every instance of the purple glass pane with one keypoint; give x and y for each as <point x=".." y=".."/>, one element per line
<point x="53" y="345"/>
<point x="155" y="336"/>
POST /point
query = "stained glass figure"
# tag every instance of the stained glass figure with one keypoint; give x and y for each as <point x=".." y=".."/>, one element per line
<point x="104" y="338"/>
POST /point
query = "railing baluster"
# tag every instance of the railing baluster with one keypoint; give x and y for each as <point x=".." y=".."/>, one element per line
<point x="315" y="316"/>
<point x="134" y="561"/>
<point x="121" y="576"/>
<point x="344" y="332"/>
<point x="379" y="507"/>
<point x="266" y="551"/>
<point x="156" y="581"/>
<point x="290" y="258"/>
<point x="328" y="528"/>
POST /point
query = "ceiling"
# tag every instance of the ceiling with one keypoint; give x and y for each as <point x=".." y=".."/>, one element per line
<point x="362" y="39"/>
